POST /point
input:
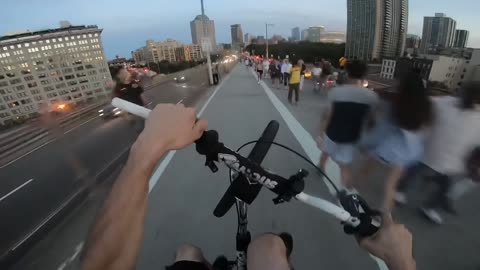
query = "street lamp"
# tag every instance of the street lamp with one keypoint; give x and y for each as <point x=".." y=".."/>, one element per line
<point x="205" y="31"/>
<point x="266" y="36"/>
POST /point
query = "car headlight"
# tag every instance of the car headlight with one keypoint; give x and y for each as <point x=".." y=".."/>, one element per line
<point x="175" y="79"/>
<point x="101" y="114"/>
<point x="182" y="78"/>
<point x="116" y="109"/>
<point x="117" y="113"/>
<point x="100" y="111"/>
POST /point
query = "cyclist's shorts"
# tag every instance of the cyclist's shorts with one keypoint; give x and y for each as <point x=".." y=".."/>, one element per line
<point x="187" y="265"/>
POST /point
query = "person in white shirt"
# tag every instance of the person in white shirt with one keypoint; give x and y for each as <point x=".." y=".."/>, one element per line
<point x="317" y="73"/>
<point x="266" y="66"/>
<point x="285" y="69"/>
<point x="453" y="135"/>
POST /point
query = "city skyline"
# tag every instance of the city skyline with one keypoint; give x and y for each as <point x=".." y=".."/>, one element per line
<point x="125" y="31"/>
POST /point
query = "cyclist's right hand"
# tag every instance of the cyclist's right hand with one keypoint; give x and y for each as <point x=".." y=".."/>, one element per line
<point x="393" y="244"/>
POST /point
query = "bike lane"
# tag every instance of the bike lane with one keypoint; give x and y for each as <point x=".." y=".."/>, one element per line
<point x="182" y="201"/>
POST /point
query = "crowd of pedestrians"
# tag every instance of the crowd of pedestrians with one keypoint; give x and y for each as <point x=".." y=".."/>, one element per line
<point x="416" y="136"/>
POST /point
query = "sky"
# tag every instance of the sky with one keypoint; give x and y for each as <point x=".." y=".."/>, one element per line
<point x="128" y="24"/>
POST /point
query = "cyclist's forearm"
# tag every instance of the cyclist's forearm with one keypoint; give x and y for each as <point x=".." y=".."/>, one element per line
<point x="404" y="265"/>
<point x="114" y="241"/>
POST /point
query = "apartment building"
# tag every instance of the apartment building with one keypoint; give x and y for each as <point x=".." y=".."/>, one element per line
<point x="46" y="67"/>
<point x="169" y="50"/>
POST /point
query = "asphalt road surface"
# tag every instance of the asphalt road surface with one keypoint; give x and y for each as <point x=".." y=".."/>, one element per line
<point x="40" y="182"/>
<point x="184" y="194"/>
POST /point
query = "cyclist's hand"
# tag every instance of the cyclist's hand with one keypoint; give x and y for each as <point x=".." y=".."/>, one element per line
<point x="170" y="127"/>
<point x="393" y="244"/>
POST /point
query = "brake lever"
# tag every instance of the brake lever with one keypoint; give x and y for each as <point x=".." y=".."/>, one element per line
<point x="368" y="221"/>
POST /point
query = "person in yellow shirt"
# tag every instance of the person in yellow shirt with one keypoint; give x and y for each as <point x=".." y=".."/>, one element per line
<point x="295" y="76"/>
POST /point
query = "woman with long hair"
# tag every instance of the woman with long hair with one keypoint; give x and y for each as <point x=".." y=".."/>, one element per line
<point x="397" y="138"/>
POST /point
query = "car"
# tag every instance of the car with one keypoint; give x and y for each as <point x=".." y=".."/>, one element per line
<point x="109" y="112"/>
<point x="180" y="79"/>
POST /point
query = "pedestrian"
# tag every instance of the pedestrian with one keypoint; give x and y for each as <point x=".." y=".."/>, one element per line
<point x="454" y="135"/>
<point x="316" y="73"/>
<point x="285" y="72"/>
<point x="247" y="62"/>
<point x="274" y="74"/>
<point x="344" y="120"/>
<point x="266" y="67"/>
<point x="303" y="67"/>
<point x="398" y="135"/>
<point x="259" y="66"/>
<point x="294" y="83"/>
<point x="215" y="74"/>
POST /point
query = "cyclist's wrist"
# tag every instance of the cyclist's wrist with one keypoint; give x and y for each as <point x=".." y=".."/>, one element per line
<point x="147" y="153"/>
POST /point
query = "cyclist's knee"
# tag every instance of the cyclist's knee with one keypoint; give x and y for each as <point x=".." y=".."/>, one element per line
<point x="267" y="252"/>
<point x="188" y="252"/>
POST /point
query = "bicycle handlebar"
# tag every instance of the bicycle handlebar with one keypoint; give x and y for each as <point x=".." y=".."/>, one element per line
<point x="356" y="215"/>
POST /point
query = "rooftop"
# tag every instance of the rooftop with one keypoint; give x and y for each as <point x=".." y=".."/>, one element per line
<point x="201" y="17"/>
<point x="47" y="31"/>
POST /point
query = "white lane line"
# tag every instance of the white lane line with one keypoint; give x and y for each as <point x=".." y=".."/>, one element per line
<point x="158" y="171"/>
<point x="26" y="154"/>
<point x="310" y="147"/>
<point x="89" y="120"/>
<point x="15" y="190"/>
<point x="164" y="163"/>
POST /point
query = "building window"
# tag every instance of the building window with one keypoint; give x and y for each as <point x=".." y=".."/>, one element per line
<point x="69" y="77"/>
<point x="32" y="84"/>
<point x="15" y="81"/>
<point x="20" y="87"/>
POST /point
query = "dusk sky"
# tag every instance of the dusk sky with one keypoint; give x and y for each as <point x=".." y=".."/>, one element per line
<point x="127" y="24"/>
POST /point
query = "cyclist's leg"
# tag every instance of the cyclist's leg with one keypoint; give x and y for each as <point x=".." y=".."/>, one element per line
<point x="189" y="257"/>
<point x="267" y="252"/>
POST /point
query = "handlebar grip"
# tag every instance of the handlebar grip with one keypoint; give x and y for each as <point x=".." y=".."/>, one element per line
<point x="131" y="107"/>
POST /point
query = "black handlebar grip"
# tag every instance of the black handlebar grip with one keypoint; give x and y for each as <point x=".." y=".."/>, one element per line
<point x="224" y="204"/>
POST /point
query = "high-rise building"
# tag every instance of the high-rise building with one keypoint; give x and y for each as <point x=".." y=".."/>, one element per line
<point x="45" y="67"/>
<point x="438" y="33"/>
<point x="248" y="38"/>
<point x="296" y="34"/>
<point x="192" y="52"/>
<point x="304" y="34"/>
<point x="203" y="27"/>
<point x="412" y="42"/>
<point x="315" y="33"/>
<point x="376" y="29"/>
<point x="237" y="34"/>
<point x="461" y="38"/>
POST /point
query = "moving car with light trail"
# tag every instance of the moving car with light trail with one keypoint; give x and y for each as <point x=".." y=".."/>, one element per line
<point x="109" y="112"/>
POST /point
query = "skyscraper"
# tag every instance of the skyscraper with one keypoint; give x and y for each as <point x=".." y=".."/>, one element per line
<point x="413" y="42"/>
<point x="314" y="33"/>
<point x="304" y="34"/>
<point x="376" y="29"/>
<point x="296" y="34"/>
<point x="199" y="30"/>
<point x="461" y="38"/>
<point x="237" y="34"/>
<point x="438" y="33"/>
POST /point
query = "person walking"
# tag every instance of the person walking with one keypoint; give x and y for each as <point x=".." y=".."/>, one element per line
<point x="285" y="72"/>
<point x="398" y="136"/>
<point x="303" y="67"/>
<point x="266" y="67"/>
<point x="259" y="66"/>
<point x="215" y="74"/>
<point x="294" y="84"/>
<point x="344" y="120"/>
<point x="317" y="73"/>
<point x="275" y="74"/>
<point x="453" y="137"/>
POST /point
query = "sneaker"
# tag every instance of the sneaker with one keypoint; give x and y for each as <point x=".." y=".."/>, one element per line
<point x="432" y="215"/>
<point x="400" y="198"/>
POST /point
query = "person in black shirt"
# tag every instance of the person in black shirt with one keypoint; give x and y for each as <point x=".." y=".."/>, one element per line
<point x="128" y="87"/>
<point x="350" y="107"/>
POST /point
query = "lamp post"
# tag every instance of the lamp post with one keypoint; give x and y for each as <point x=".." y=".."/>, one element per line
<point x="266" y="37"/>
<point x="207" y="50"/>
